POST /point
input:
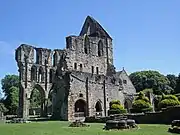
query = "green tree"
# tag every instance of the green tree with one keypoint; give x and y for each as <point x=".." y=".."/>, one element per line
<point x="13" y="100"/>
<point x="3" y="108"/>
<point x="150" y="80"/>
<point x="10" y="87"/>
<point x="7" y="82"/>
<point x="35" y="101"/>
<point x="173" y="80"/>
<point x="177" y="89"/>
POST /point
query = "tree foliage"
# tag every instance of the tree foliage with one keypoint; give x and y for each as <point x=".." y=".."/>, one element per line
<point x="10" y="87"/>
<point x="173" y="80"/>
<point x="36" y="98"/>
<point x="150" y="80"/>
<point x="177" y="89"/>
<point x="7" y="82"/>
<point x="3" y="108"/>
<point x="168" y="100"/>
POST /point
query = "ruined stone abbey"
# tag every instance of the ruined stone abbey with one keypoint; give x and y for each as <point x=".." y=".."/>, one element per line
<point x="81" y="78"/>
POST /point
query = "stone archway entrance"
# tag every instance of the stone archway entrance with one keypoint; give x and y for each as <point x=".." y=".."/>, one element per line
<point x="98" y="108"/>
<point x="128" y="105"/>
<point x="80" y="108"/>
<point x="37" y="101"/>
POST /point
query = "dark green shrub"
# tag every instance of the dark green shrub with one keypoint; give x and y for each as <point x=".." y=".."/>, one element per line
<point x="168" y="102"/>
<point x="173" y="97"/>
<point x="140" y="104"/>
<point x="116" y="108"/>
<point x="115" y="102"/>
<point x="178" y="98"/>
<point x="141" y="96"/>
<point x="117" y="111"/>
<point x="133" y="110"/>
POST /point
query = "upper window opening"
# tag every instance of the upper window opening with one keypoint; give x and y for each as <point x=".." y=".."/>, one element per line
<point x="81" y="67"/>
<point x="75" y="66"/>
<point x="97" y="70"/>
<point x="86" y="45"/>
<point x="100" y="48"/>
<point x="92" y="69"/>
<point x="125" y="81"/>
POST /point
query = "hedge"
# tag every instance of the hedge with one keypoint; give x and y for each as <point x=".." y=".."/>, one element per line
<point x="168" y="102"/>
<point x="117" y="111"/>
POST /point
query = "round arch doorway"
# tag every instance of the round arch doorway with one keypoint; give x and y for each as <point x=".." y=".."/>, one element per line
<point x="80" y="108"/>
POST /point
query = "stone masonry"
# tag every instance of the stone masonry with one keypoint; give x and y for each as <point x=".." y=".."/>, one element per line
<point x="81" y="78"/>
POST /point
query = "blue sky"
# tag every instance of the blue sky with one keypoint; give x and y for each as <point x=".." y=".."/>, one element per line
<point x="146" y="33"/>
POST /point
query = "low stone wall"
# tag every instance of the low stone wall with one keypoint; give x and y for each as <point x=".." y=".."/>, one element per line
<point x="164" y="117"/>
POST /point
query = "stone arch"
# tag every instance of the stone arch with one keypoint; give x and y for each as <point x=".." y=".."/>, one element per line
<point x="55" y="58"/>
<point x="33" y="73"/>
<point x="41" y="74"/>
<point x="80" y="107"/>
<point x="86" y="45"/>
<point x="41" y="95"/>
<point x="98" y="106"/>
<point x="51" y="75"/>
<point x="128" y="104"/>
<point x="100" y="48"/>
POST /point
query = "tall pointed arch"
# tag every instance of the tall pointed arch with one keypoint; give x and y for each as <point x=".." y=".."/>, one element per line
<point x="100" y="48"/>
<point x="86" y="45"/>
<point x="33" y="73"/>
<point x="41" y="75"/>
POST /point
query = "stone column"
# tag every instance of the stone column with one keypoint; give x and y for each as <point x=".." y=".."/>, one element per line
<point x="46" y="107"/>
<point x="87" y="98"/>
<point x="104" y="93"/>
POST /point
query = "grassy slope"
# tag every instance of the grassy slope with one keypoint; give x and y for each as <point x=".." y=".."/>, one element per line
<point x="61" y="128"/>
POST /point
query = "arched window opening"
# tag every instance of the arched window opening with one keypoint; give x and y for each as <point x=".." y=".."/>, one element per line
<point x="41" y="75"/>
<point x="75" y="66"/>
<point x="51" y="74"/>
<point x="98" y="107"/>
<point x="92" y="69"/>
<point x="100" y="48"/>
<point x="55" y="59"/>
<point x="33" y="73"/>
<point x="35" y="56"/>
<point x="125" y="81"/>
<point x="86" y="45"/>
<point x="128" y="105"/>
<point x="97" y="70"/>
<point x="81" y="67"/>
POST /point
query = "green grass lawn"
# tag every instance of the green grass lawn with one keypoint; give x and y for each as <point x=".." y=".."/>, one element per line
<point x="61" y="128"/>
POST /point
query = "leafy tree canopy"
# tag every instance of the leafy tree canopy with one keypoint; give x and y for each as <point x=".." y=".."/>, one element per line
<point x="150" y="80"/>
<point x="7" y="82"/>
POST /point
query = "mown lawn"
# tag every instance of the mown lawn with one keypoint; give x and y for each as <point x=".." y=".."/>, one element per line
<point x="61" y="128"/>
